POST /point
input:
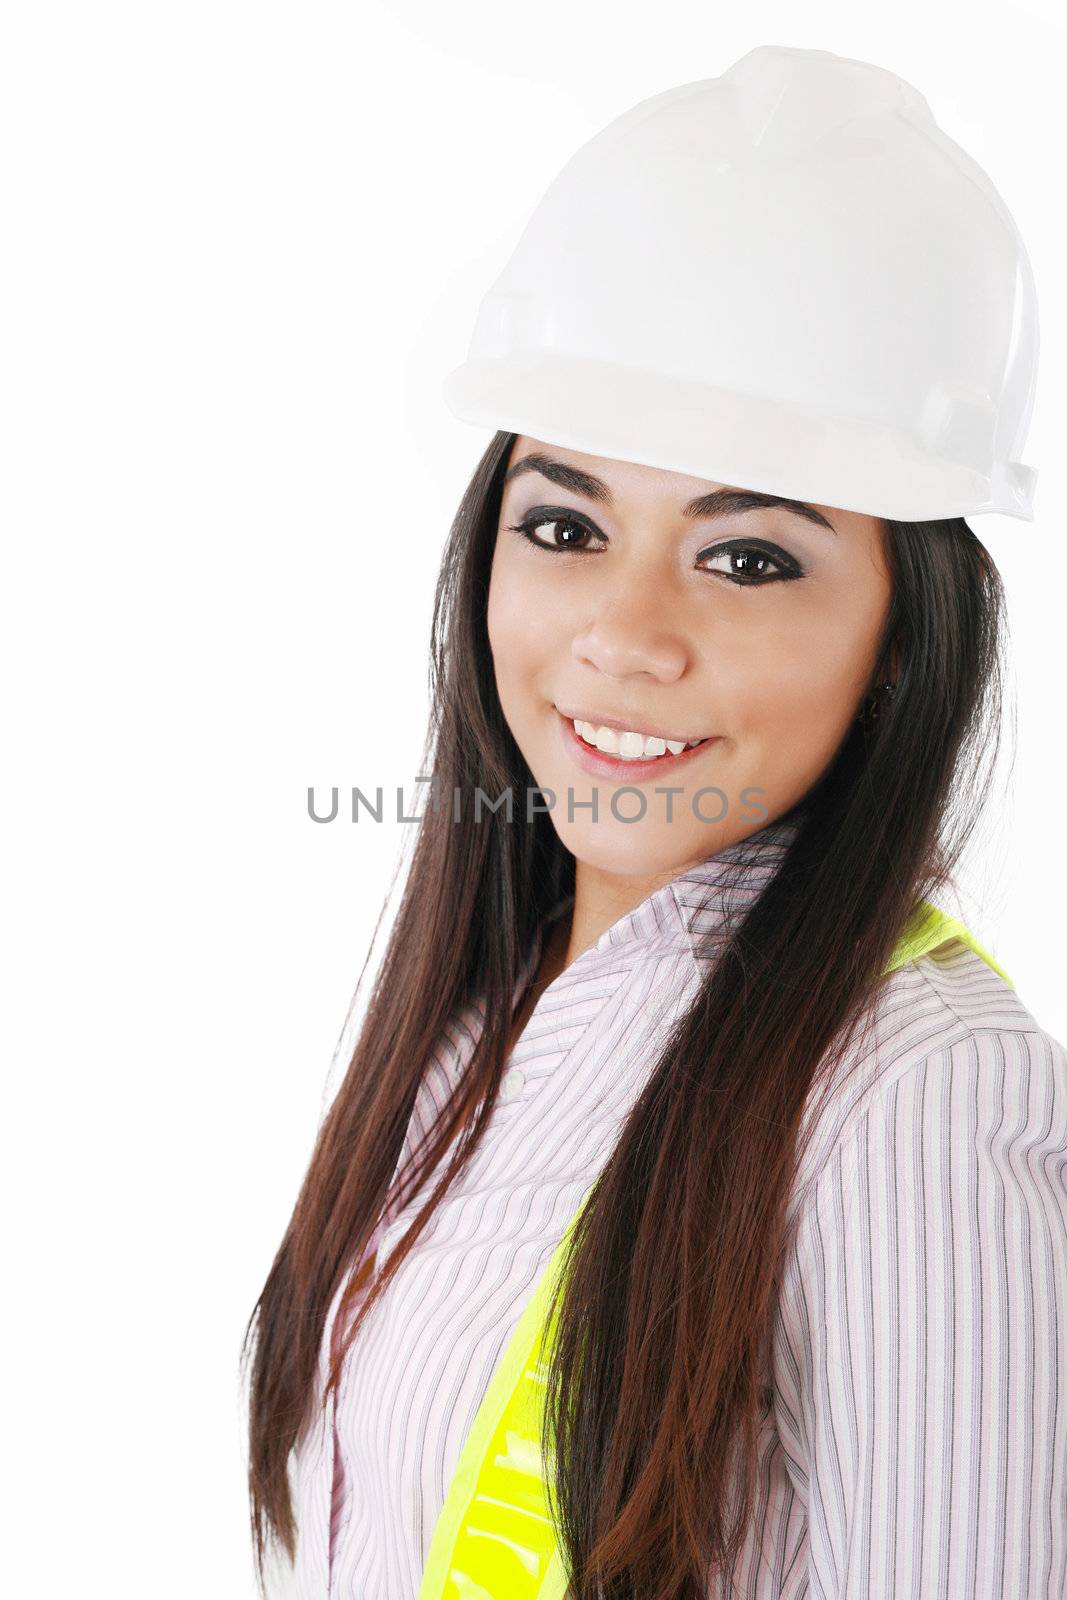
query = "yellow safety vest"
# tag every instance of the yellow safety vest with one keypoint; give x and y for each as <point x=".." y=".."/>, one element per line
<point x="495" y="1536"/>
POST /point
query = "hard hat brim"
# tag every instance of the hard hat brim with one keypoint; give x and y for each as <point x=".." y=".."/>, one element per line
<point x="725" y="436"/>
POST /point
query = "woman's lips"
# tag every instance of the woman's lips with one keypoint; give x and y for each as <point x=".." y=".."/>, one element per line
<point x="600" y="765"/>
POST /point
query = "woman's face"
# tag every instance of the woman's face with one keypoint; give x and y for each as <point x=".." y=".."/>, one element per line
<point x="675" y="606"/>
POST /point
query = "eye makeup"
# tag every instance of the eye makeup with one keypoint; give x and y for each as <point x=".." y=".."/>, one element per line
<point x="754" y="549"/>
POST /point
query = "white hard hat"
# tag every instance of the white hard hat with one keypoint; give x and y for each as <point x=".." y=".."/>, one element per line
<point x="786" y="278"/>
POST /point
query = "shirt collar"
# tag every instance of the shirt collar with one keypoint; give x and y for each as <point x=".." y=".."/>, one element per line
<point x="692" y="907"/>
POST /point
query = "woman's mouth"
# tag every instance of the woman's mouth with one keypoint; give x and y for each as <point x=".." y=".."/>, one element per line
<point x="625" y="754"/>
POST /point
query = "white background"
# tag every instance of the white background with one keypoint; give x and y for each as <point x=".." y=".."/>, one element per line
<point x="242" y="244"/>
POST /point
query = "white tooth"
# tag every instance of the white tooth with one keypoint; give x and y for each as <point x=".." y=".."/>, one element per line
<point x="628" y="744"/>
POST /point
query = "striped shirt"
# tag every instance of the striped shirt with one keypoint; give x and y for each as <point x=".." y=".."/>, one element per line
<point x="916" y="1443"/>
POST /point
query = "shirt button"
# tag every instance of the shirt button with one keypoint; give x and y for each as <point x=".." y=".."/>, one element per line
<point x="512" y="1084"/>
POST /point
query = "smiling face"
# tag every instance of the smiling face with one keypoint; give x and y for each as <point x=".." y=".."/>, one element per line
<point x="663" y="604"/>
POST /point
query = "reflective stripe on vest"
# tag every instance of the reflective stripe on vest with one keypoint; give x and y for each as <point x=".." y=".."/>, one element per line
<point x="495" y="1536"/>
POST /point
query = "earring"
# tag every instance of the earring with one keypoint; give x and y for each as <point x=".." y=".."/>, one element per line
<point x="868" y="712"/>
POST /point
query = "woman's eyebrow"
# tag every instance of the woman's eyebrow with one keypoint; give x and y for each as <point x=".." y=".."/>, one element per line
<point x="719" y="503"/>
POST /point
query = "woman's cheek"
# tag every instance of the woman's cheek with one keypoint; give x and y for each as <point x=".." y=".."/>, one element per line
<point x="787" y="723"/>
<point x="516" y="595"/>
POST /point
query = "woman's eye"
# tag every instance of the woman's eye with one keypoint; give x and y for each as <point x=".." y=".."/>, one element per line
<point x="574" y="532"/>
<point x="754" y="565"/>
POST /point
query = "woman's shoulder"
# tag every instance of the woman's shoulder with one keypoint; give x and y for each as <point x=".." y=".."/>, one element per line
<point x="928" y="1266"/>
<point x="948" y="1043"/>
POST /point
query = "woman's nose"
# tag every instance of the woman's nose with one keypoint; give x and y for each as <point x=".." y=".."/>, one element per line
<point x="629" y="633"/>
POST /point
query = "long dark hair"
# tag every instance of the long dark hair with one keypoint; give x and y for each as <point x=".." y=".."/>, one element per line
<point x="664" y="1348"/>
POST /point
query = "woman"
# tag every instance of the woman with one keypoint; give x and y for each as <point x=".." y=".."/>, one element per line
<point x="669" y="1011"/>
